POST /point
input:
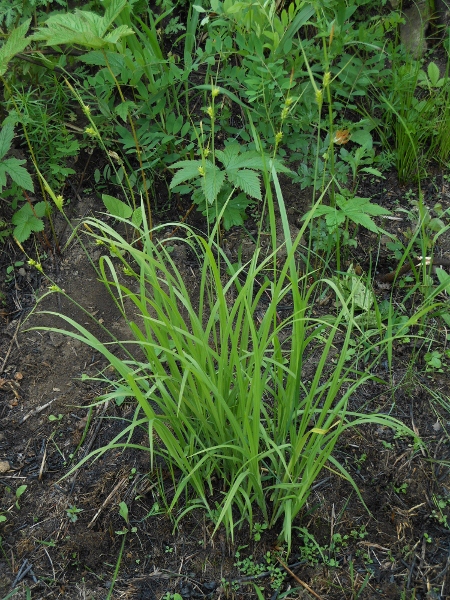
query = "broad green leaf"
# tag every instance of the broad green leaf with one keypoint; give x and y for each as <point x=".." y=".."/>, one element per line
<point x="252" y="160"/>
<point x="2" y="176"/>
<point x="26" y="223"/>
<point x="136" y="217"/>
<point x="234" y="214"/>
<point x="116" y="207"/>
<point x="246" y="180"/>
<point x="83" y="28"/>
<point x="117" y="34"/>
<point x="362" y="296"/>
<point x="358" y="210"/>
<point x="6" y="137"/>
<point x="433" y="73"/>
<point x="123" y="511"/>
<point x="230" y="157"/>
<point x="363" y="138"/>
<point x="444" y="278"/>
<point x="212" y="182"/>
<point x="17" y="173"/>
<point x="97" y="57"/>
<point x="123" y="108"/>
<point x="40" y="208"/>
<point x="189" y="170"/>
<point x="13" y="45"/>
<point x="112" y="12"/>
<point x="373" y="171"/>
<point x="334" y="218"/>
<point x="436" y="224"/>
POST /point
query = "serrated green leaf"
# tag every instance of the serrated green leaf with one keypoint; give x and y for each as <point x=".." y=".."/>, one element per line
<point x="6" y="137"/>
<point x="358" y="210"/>
<point x="17" y="173"/>
<point x="112" y="12"/>
<point x="212" y="182"/>
<point x="246" y="180"/>
<point x="230" y="157"/>
<point x="119" y="32"/>
<point x="123" y="108"/>
<point x="25" y="223"/>
<point x="252" y="160"/>
<point x="189" y="170"/>
<point x="2" y="177"/>
<point x="97" y="57"/>
<point x="373" y="171"/>
<point x="40" y="209"/>
<point x="14" y="44"/>
<point x="83" y="28"/>
<point x="116" y="207"/>
<point x="234" y="214"/>
<point x="363" y="138"/>
<point x="334" y="218"/>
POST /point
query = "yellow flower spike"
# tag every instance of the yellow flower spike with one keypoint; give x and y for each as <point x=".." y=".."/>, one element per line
<point x="86" y="109"/>
<point x="31" y="262"/>
<point x="289" y="101"/>
<point x="91" y="131"/>
<point x="319" y="97"/>
<point x="326" y="79"/>
<point x="59" y="201"/>
<point x="210" y="111"/>
<point x="284" y="113"/>
<point x="88" y="228"/>
<point x="278" y="137"/>
<point x="201" y="170"/>
<point x="215" y="92"/>
<point x="206" y="152"/>
<point x="54" y="288"/>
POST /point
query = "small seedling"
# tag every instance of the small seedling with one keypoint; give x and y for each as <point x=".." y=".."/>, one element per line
<point x="20" y="490"/>
<point x="73" y="512"/>
<point x="401" y="489"/>
<point x="55" y="418"/>
<point x="258" y="528"/>
<point x="123" y="512"/>
<point x="10" y="269"/>
<point x="438" y="513"/>
<point x="433" y="360"/>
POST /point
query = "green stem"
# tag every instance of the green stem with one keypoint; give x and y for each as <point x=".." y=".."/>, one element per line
<point x="138" y="148"/>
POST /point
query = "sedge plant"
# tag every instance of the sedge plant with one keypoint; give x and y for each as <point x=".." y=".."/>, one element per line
<point x="219" y="385"/>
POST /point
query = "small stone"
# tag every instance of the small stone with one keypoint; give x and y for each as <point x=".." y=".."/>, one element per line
<point x="4" y="466"/>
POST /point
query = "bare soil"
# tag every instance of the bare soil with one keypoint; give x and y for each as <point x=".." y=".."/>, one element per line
<point x="397" y="546"/>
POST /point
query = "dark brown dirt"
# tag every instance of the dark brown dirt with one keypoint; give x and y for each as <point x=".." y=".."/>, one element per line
<point x="396" y="548"/>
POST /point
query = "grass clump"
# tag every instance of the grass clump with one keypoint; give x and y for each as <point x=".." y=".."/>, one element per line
<point x="220" y="384"/>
